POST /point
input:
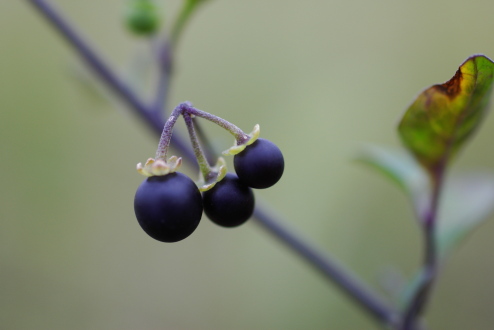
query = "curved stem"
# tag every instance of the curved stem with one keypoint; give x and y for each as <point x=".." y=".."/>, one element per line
<point x="186" y="108"/>
<point x="421" y="296"/>
<point x="165" y="53"/>
<point x="164" y="62"/>
<point x="102" y="70"/>
<point x="201" y="159"/>
<point x="369" y="301"/>
<point x="186" y="11"/>
<point x="239" y="135"/>
<point x="161" y="94"/>
<point x="166" y="135"/>
<point x="205" y="142"/>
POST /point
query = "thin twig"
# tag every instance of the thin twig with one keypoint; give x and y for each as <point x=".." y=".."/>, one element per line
<point x="188" y="8"/>
<point x="102" y="70"/>
<point x="368" y="300"/>
<point x="161" y="95"/>
<point x="204" y="165"/>
<point x="420" y="298"/>
<point x="206" y="143"/>
<point x="164" y="55"/>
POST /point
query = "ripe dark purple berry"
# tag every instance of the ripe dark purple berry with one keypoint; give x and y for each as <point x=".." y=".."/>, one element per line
<point x="260" y="165"/>
<point x="168" y="207"/>
<point x="229" y="203"/>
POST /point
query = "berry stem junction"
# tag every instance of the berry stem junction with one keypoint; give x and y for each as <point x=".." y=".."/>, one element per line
<point x="187" y="108"/>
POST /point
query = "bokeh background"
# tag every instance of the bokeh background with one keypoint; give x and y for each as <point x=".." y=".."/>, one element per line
<point x="321" y="77"/>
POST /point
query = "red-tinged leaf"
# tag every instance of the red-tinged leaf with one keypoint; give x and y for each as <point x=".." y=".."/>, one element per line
<point x="444" y="116"/>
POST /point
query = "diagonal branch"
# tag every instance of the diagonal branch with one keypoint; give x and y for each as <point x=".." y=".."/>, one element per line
<point x="334" y="272"/>
<point x="429" y="272"/>
<point x="102" y="70"/>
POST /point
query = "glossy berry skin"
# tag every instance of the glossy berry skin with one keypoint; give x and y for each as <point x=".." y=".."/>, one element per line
<point x="168" y="207"/>
<point x="260" y="165"/>
<point x="229" y="203"/>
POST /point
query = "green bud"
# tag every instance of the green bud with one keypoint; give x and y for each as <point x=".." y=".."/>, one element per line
<point x="142" y="17"/>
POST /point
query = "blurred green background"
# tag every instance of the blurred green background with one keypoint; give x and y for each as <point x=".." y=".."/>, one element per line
<point x="321" y="77"/>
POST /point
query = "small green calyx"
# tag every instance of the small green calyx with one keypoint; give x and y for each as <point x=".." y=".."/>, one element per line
<point x="142" y="17"/>
<point x="217" y="174"/>
<point x="159" y="167"/>
<point x="236" y="149"/>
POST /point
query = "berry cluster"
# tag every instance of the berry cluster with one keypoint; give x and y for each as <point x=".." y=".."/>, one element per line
<point x="168" y="204"/>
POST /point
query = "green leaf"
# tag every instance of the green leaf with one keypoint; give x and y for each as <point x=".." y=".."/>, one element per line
<point x="399" y="166"/>
<point x="467" y="201"/>
<point x="444" y="116"/>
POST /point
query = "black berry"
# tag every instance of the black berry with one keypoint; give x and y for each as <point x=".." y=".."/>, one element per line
<point x="229" y="203"/>
<point x="168" y="207"/>
<point x="260" y="165"/>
